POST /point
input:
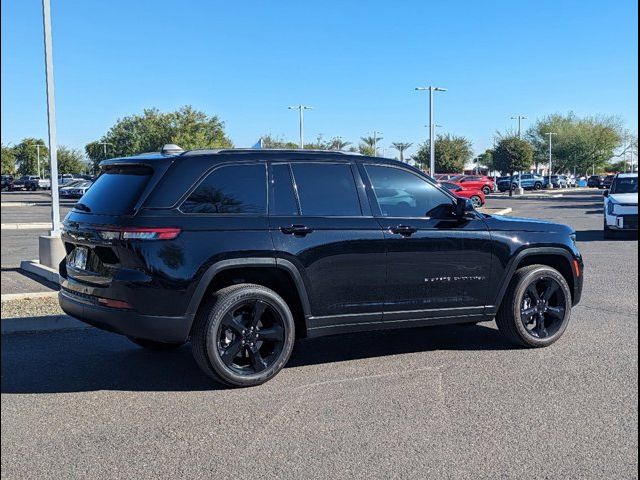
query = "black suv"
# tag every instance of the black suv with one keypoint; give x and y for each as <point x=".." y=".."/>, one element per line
<point x="243" y="251"/>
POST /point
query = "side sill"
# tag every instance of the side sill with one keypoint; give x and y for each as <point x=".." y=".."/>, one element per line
<point x="393" y="324"/>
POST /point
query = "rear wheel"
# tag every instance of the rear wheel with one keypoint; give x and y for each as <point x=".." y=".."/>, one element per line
<point x="243" y="335"/>
<point x="477" y="201"/>
<point x="486" y="190"/>
<point x="153" y="345"/>
<point x="537" y="307"/>
<point x="537" y="186"/>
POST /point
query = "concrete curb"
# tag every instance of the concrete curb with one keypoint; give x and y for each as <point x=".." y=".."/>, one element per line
<point x="26" y="226"/>
<point x="47" y="323"/>
<point x="17" y="204"/>
<point x="33" y="266"/>
<point x="12" y="297"/>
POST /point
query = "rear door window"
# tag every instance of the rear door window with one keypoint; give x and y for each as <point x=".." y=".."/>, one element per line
<point x="326" y="189"/>
<point x="231" y="189"/>
<point x="283" y="196"/>
<point x="116" y="190"/>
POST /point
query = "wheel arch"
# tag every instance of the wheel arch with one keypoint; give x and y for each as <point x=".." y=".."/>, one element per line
<point x="558" y="258"/>
<point x="280" y="276"/>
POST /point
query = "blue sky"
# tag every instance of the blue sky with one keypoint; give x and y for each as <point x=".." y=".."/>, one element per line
<point x="356" y="63"/>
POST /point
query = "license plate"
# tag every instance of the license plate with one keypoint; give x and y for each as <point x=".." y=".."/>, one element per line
<point x="79" y="258"/>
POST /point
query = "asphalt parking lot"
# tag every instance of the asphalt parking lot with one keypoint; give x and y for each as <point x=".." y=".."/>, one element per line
<point x="440" y="402"/>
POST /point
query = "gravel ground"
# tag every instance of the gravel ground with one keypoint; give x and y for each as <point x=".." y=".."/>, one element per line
<point x="442" y="402"/>
<point x="31" y="307"/>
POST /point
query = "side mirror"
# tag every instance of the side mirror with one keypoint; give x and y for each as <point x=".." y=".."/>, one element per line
<point x="464" y="206"/>
<point x="606" y="193"/>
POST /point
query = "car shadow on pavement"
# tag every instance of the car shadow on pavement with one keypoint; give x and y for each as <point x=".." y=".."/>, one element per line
<point x="340" y="348"/>
<point x="89" y="360"/>
<point x="598" y="236"/>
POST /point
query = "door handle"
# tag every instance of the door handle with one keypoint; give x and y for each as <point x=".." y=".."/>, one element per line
<point x="296" y="230"/>
<point x="404" y="230"/>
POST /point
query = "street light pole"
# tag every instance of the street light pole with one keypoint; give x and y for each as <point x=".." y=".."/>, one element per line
<point x="551" y="134"/>
<point x="301" y="109"/>
<point x="519" y="118"/>
<point x="51" y="118"/>
<point x="432" y="128"/>
<point x="375" y="142"/>
<point x="38" y="145"/>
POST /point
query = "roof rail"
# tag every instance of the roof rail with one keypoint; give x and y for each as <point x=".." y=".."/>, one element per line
<point x="255" y="150"/>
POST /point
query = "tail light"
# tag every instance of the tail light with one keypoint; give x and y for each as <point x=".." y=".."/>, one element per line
<point x="138" y="233"/>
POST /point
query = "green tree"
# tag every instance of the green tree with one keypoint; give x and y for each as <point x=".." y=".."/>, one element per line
<point x="401" y="147"/>
<point x="485" y="159"/>
<point x="452" y="153"/>
<point x="270" y="141"/>
<point x="149" y="131"/>
<point x="8" y="161"/>
<point x="581" y="144"/>
<point x="26" y="155"/>
<point x="512" y="154"/>
<point x="70" y="160"/>
<point x="368" y="145"/>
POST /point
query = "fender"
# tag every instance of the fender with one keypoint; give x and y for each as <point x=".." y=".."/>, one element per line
<point x="517" y="259"/>
<point x="217" y="267"/>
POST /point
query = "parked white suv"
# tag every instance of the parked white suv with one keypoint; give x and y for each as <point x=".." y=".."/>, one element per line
<point x="621" y="205"/>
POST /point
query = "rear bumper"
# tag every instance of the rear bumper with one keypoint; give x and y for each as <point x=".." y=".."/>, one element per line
<point x="622" y="222"/>
<point x="126" y="322"/>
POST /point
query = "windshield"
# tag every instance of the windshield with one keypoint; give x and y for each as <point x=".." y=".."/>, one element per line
<point x="625" y="185"/>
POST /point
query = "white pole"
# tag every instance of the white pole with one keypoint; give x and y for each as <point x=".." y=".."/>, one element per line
<point x="51" y="117"/>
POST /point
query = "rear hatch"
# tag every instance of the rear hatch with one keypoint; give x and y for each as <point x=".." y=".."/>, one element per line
<point x="98" y="230"/>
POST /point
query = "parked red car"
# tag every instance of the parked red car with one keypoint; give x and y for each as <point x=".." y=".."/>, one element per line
<point x="475" y="195"/>
<point x="477" y="182"/>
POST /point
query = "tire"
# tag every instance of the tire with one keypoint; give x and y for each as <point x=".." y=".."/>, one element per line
<point x="514" y="323"/>
<point x="609" y="234"/>
<point x="537" y="186"/>
<point x="486" y="190"/>
<point x="228" y="336"/>
<point x="477" y="201"/>
<point x="155" y="346"/>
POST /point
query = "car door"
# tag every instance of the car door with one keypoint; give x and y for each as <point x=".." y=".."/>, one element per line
<point x="320" y="221"/>
<point x="436" y="262"/>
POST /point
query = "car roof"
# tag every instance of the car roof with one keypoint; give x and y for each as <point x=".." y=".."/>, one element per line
<point x="627" y="175"/>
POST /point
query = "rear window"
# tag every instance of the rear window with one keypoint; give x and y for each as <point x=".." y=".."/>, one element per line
<point x="116" y="190"/>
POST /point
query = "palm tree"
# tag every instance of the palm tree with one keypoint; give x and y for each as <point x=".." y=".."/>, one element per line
<point x="337" y="143"/>
<point x="401" y="147"/>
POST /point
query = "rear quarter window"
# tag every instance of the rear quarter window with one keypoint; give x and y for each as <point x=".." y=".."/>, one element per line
<point x="230" y="189"/>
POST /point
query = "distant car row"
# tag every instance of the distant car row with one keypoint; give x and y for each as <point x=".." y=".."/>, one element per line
<point x="600" y="181"/>
<point x="68" y="185"/>
<point x="26" y="182"/>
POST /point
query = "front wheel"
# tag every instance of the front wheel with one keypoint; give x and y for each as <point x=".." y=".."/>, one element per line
<point x="486" y="190"/>
<point x="537" y="186"/>
<point x="537" y="307"/>
<point x="243" y="335"/>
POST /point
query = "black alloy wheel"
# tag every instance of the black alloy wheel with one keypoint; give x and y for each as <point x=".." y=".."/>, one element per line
<point x="243" y="335"/>
<point x="250" y="337"/>
<point x="486" y="190"/>
<point x="543" y="307"/>
<point x="536" y="308"/>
